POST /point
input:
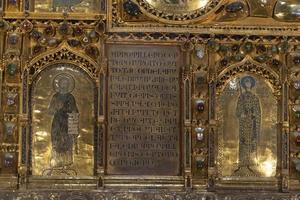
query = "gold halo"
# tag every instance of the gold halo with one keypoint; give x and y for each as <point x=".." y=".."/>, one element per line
<point x="60" y="77"/>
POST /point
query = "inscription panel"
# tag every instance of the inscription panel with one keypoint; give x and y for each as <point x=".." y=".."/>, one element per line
<point x="144" y="110"/>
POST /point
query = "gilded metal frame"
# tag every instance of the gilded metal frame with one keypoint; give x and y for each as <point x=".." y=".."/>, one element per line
<point x="204" y="31"/>
<point x="249" y="66"/>
<point x="146" y="181"/>
<point x="38" y="65"/>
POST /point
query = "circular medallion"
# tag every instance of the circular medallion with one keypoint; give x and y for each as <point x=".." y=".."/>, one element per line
<point x="178" y="11"/>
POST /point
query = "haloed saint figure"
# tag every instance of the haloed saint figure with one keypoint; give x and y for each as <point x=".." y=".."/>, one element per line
<point x="64" y="127"/>
<point x="248" y="112"/>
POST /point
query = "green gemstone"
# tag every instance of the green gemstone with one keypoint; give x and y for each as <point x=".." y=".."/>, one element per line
<point x="274" y="49"/>
<point x="248" y="47"/>
<point x="12" y="69"/>
<point x="297" y="114"/>
<point x="238" y="57"/>
<point x="223" y="49"/>
<point x="213" y="45"/>
<point x="262" y="58"/>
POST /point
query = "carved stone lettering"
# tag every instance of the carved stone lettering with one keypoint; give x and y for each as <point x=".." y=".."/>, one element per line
<point x="144" y="110"/>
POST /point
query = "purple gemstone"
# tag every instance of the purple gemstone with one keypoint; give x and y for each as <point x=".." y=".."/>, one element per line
<point x="92" y="51"/>
<point x="200" y="105"/>
<point x="12" y="2"/>
<point x="78" y="31"/>
<point x="37" y="49"/>
<point x="49" y="30"/>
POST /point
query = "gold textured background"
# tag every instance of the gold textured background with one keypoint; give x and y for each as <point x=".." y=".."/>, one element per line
<point x="41" y="125"/>
<point x="229" y="128"/>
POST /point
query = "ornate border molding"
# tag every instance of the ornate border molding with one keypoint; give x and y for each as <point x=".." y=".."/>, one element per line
<point x="182" y="18"/>
<point x="147" y="195"/>
<point x="245" y="27"/>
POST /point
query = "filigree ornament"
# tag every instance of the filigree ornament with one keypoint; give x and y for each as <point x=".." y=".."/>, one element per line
<point x="63" y="53"/>
<point x="11" y="98"/>
<point x="249" y="65"/>
<point x="26" y="26"/>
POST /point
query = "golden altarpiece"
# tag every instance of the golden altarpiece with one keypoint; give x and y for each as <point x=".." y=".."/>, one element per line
<point x="149" y="99"/>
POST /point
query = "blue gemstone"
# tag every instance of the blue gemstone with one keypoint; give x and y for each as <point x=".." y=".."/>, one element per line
<point x="35" y="34"/>
<point x="131" y="8"/>
<point x="13" y="39"/>
<point x="74" y="43"/>
<point x="64" y="29"/>
<point x="235" y="7"/>
<point x="8" y="160"/>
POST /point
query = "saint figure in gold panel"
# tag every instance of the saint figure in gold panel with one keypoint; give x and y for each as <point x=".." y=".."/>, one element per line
<point x="248" y="112"/>
<point x="63" y="122"/>
<point x="64" y="128"/>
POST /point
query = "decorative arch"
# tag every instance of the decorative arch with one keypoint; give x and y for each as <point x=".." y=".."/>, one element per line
<point x="63" y="54"/>
<point x="231" y="106"/>
<point x="251" y="66"/>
